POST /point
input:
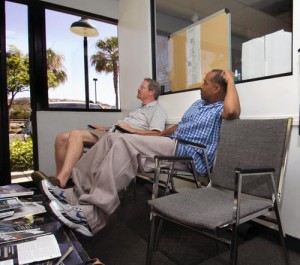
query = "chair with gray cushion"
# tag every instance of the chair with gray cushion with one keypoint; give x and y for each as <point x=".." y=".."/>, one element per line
<point x="248" y="171"/>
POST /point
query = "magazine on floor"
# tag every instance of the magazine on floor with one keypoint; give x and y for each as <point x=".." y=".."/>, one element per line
<point x="16" y="225"/>
<point x="8" y="204"/>
<point x="29" y="208"/>
<point x="9" y="237"/>
<point x="44" y="250"/>
<point x="14" y="190"/>
<point x="5" y="214"/>
<point x="8" y="255"/>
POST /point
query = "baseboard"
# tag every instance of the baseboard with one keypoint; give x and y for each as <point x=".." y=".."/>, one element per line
<point x="293" y="243"/>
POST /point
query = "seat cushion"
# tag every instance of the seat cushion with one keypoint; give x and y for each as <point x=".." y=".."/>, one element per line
<point x="205" y="208"/>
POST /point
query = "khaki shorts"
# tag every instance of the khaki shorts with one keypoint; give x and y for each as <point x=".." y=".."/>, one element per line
<point x="97" y="133"/>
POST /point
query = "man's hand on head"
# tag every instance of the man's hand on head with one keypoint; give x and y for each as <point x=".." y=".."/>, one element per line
<point x="228" y="76"/>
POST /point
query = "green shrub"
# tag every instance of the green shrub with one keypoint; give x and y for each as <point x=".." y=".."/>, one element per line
<point x="21" y="154"/>
<point x="19" y="114"/>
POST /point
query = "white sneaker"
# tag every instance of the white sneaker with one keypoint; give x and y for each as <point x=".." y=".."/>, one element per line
<point x="71" y="216"/>
<point x="53" y="192"/>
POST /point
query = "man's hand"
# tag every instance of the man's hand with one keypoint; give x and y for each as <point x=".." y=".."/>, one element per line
<point x="228" y="76"/>
<point x="126" y="127"/>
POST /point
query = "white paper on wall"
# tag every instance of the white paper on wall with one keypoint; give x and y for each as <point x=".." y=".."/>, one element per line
<point x="267" y="55"/>
<point x="253" y="58"/>
<point x="278" y="52"/>
<point x="193" y="55"/>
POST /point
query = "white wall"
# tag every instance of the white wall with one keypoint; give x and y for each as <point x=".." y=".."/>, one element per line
<point x="134" y="48"/>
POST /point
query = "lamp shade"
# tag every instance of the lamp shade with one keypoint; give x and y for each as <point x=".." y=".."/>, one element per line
<point x="84" y="28"/>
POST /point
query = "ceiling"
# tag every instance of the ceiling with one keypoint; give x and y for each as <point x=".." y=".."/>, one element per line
<point x="249" y="18"/>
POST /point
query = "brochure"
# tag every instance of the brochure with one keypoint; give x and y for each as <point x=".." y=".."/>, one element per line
<point x="20" y="236"/>
<point x="14" y="190"/>
<point x="29" y="208"/>
<point x="8" y="204"/>
<point x="15" y="225"/>
<point x="44" y="250"/>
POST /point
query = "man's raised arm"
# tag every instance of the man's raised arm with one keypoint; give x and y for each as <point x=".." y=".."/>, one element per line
<point x="232" y="107"/>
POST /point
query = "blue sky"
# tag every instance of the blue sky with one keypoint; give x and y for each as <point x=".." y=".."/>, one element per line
<point x="64" y="42"/>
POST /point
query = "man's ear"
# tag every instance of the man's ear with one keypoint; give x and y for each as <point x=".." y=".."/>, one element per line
<point x="217" y="88"/>
<point x="151" y="92"/>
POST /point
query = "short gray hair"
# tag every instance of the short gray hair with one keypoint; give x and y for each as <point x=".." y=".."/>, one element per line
<point x="153" y="86"/>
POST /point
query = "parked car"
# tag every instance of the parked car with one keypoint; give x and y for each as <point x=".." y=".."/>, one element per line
<point x="72" y="105"/>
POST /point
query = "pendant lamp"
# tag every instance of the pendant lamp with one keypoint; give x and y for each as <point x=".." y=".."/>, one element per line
<point x="84" y="28"/>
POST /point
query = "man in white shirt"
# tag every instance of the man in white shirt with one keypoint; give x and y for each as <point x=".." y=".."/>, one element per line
<point x="148" y="119"/>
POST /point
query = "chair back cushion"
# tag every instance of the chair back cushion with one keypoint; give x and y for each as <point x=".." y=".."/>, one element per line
<point x="248" y="144"/>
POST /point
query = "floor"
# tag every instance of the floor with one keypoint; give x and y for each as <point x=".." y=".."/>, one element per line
<point x="124" y="241"/>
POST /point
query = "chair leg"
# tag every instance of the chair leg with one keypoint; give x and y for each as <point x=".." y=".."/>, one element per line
<point x="151" y="239"/>
<point x="155" y="246"/>
<point x="234" y="245"/>
<point x="123" y="199"/>
<point x="134" y="189"/>
<point x="281" y="235"/>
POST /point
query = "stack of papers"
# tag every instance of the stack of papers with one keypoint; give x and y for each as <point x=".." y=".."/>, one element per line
<point x="22" y="242"/>
<point x="8" y="206"/>
<point x="14" y="190"/>
<point x="42" y="248"/>
<point x="11" y="207"/>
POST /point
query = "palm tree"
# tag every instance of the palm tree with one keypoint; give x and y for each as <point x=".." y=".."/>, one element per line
<point x="107" y="60"/>
<point x="55" y="69"/>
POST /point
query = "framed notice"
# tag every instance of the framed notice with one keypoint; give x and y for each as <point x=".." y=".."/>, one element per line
<point x="199" y="48"/>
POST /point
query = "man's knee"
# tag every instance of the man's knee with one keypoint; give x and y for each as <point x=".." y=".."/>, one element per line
<point x="62" y="138"/>
<point x="76" y="135"/>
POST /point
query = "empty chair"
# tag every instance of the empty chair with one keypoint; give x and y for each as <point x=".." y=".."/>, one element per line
<point x="249" y="168"/>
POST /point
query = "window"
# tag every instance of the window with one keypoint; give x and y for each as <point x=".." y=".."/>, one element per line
<point x="261" y="35"/>
<point x="18" y="94"/>
<point x="68" y="79"/>
<point x="42" y="67"/>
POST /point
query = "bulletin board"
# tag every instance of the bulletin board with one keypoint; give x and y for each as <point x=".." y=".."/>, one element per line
<point x="199" y="48"/>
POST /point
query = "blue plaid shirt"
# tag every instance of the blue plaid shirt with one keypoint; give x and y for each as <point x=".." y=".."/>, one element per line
<point x="200" y="124"/>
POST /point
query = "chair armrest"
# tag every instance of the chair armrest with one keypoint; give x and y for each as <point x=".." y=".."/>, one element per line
<point x="254" y="170"/>
<point x="190" y="143"/>
<point x="239" y="174"/>
<point x="173" y="158"/>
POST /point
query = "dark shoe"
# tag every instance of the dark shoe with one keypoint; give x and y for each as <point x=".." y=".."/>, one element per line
<point x="37" y="176"/>
<point x="71" y="216"/>
<point x="53" y="192"/>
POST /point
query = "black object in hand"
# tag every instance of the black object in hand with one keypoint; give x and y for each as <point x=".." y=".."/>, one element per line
<point x="91" y="127"/>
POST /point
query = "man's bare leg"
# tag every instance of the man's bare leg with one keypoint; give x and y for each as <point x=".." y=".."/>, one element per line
<point x="61" y="144"/>
<point x="70" y="152"/>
